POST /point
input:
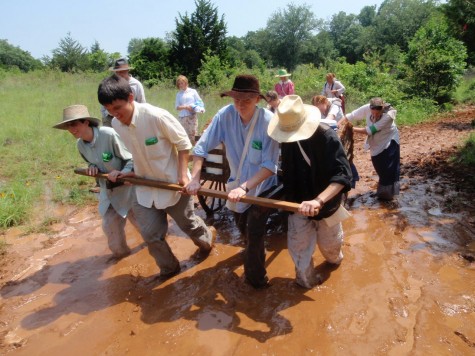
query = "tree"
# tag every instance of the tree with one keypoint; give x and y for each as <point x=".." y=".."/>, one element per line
<point x="151" y="61"/>
<point x="202" y="32"/>
<point x="11" y="56"/>
<point x="288" y="30"/>
<point x="98" y="59"/>
<point x="259" y="41"/>
<point x="70" y="56"/>
<point x="461" y="18"/>
<point x="398" y="20"/>
<point x="346" y="32"/>
<point x="367" y="16"/>
<point x="436" y="61"/>
<point x="135" y="45"/>
<point x="319" y="50"/>
<point x="238" y="54"/>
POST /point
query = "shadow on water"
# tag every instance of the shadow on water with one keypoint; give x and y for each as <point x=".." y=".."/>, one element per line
<point x="213" y="298"/>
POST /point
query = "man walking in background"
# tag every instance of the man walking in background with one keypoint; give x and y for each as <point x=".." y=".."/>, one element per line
<point x="121" y="68"/>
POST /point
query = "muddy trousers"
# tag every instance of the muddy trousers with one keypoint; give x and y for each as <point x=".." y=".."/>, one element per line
<point x="302" y="236"/>
<point x="387" y="165"/>
<point x="113" y="225"/>
<point x="153" y="227"/>
<point x="253" y="224"/>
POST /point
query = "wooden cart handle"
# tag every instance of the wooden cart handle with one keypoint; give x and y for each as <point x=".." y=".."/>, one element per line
<point x="266" y="202"/>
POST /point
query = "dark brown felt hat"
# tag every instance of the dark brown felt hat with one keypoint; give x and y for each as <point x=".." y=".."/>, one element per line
<point x="245" y="87"/>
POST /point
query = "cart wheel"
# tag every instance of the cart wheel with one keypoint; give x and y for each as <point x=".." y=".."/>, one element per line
<point x="211" y="204"/>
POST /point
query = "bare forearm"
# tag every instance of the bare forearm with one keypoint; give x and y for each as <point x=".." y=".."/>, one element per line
<point x="261" y="175"/>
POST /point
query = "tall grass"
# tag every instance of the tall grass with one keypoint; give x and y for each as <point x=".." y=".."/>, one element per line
<point x="36" y="158"/>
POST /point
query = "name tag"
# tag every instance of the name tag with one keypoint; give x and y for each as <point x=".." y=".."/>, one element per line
<point x="151" y="141"/>
<point x="106" y="156"/>
<point x="257" y="145"/>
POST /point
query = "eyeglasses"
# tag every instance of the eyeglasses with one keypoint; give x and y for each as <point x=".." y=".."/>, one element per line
<point x="376" y="107"/>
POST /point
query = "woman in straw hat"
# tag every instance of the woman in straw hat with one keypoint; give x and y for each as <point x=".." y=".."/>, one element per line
<point x="103" y="149"/>
<point x="285" y="86"/>
<point x="252" y="156"/>
<point x="316" y="174"/>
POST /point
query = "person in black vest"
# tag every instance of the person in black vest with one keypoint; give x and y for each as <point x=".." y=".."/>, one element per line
<point x="316" y="174"/>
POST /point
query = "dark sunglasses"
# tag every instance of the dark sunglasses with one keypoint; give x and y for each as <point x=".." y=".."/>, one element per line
<point x="374" y="107"/>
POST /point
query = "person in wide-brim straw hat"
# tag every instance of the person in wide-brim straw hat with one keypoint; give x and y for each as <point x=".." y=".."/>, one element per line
<point x="315" y="173"/>
<point x="104" y="152"/>
<point x="285" y="86"/>
<point x="74" y="113"/>
<point x="253" y="157"/>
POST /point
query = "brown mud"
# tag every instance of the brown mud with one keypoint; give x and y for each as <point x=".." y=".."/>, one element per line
<point x="406" y="285"/>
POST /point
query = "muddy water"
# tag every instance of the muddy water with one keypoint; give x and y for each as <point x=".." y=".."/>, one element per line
<point x="403" y="289"/>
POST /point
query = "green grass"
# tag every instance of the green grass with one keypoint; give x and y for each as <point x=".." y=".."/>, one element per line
<point x="465" y="93"/>
<point x="467" y="153"/>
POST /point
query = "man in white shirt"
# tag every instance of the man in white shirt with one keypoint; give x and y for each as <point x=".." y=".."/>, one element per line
<point x="160" y="148"/>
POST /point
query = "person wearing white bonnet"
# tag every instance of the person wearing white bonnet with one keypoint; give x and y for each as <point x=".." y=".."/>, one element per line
<point x="316" y="173"/>
<point x="104" y="151"/>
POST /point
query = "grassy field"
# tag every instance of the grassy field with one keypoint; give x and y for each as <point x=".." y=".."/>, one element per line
<point x="38" y="161"/>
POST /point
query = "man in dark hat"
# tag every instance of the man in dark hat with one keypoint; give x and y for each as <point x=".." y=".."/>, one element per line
<point x="121" y="68"/>
<point x="252" y="156"/>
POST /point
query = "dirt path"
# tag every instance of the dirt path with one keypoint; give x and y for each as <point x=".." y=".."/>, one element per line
<point x="406" y="285"/>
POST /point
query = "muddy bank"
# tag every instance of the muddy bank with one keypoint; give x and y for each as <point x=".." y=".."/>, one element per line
<point x="406" y="285"/>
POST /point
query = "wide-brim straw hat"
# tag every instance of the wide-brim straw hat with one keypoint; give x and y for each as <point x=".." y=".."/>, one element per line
<point x="120" y="65"/>
<point x="245" y="87"/>
<point x="282" y="73"/>
<point x="76" y="112"/>
<point x="293" y="120"/>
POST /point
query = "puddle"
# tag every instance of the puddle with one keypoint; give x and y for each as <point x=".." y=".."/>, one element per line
<point x="406" y="286"/>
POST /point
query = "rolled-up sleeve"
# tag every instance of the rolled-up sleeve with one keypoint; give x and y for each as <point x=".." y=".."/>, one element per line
<point x="210" y="138"/>
<point x="270" y="155"/>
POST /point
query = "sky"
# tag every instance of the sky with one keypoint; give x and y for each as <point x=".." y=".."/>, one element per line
<point x="38" y="26"/>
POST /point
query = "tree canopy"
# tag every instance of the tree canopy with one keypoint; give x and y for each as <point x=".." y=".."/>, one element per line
<point x="204" y="32"/>
<point x="11" y="56"/>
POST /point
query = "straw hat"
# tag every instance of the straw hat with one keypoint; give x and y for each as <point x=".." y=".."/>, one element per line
<point x="120" y="65"/>
<point x="282" y="73"/>
<point x="245" y="87"/>
<point x="293" y="120"/>
<point x="73" y="113"/>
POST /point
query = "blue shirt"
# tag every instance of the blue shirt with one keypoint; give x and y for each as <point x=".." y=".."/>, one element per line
<point x="263" y="152"/>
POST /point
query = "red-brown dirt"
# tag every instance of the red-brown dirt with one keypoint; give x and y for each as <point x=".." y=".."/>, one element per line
<point x="406" y="285"/>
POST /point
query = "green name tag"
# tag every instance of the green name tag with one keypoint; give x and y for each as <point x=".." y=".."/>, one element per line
<point x="151" y="141"/>
<point x="257" y="145"/>
<point x="106" y="156"/>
